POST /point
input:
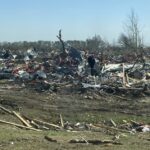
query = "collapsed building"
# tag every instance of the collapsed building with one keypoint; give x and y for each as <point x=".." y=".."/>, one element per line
<point x="74" y="67"/>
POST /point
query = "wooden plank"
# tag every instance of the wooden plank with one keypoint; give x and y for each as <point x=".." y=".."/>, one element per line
<point x="22" y="119"/>
<point x="6" y="110"/>
<point x="18" y="125"/>
<point x="61" y="121"/>
<point x="47" y="124"/>
<point x="35" y="124"/>
<point x="123" y="71"/>
<point x="113" y="123"/>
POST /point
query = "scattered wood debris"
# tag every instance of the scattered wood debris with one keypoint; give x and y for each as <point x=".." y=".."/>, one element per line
<point x="6" y="110"/>
<point x="18" y="125"/>
<point x="46" y="124"/>
<point x="38" y="125"/>
<point x="22" y="119"/>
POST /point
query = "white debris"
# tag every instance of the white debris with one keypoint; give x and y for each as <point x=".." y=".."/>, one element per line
<point x="146" y="128"/>
<point x="86" y="85"/>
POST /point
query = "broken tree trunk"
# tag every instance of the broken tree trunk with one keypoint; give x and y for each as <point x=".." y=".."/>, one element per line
<point x="62" y="42"/>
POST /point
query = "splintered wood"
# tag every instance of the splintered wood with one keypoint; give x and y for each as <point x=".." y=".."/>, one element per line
<point x="32" y="124"/>
<point x="22" y="119"/>
<point x="18" y="125"/>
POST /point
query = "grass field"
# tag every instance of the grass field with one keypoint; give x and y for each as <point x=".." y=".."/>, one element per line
<point x="74" y="108"/>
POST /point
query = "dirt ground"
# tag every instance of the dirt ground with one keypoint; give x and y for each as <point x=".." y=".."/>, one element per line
<point x="74" y="107"/>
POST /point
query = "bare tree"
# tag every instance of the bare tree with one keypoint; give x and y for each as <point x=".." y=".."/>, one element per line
<point x="132" y="38"/>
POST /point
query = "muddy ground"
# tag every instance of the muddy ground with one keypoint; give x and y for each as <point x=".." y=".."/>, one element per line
<point x="74" y="107"/>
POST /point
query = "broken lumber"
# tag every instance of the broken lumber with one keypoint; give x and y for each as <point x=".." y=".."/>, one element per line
<point x="61" y="121"/>
<point x="6" y="110"/>
<point x="22" y="119"/>
<point x="18" y="125"/>
<point x="47" y="124"/>
<point x="113" y="123"/>
<point x="123" y="72"/>
<point x="35" y="124"/>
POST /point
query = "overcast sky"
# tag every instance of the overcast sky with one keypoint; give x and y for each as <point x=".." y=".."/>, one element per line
<point x="34" y="20"/>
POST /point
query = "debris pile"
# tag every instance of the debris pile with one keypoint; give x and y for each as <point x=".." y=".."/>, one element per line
<point x="76" y="68"/>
